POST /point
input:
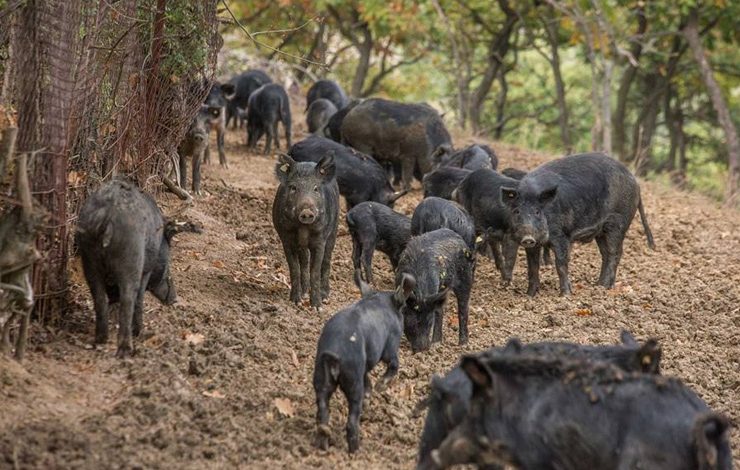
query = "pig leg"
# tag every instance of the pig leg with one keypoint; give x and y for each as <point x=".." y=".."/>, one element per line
<point x="323" y="395"/>
<point x="138" y="323"/>
<point x="220" y="142"/>
<point x="125" y="313"/>
<point x="183" y="171"/>
<point x="462" y="293"/>
<point x="207" y="153"/>
<point x="561" y="248"/>
<point x="305" y="270"/>
<point x="275" y="136"/>
<point x="100" y="299"/>
<point x="510" y="247"/>
<point x="268" y="139"/>
<point x="196" y="171"/>
<point x="317" y="260"/>
<point x="287" y="127"/>
<point x="368" y="250"/>
<point x="354" y="400"/>
<point x="390" y="357"/>
<point x="368" y="385"/>
<point x="326" y="266"/>
<point x="533" y="270"/>
<point x="292" y="256"/>
<point x="546" y="258"/>
<point x="610" y="257"/>
<point x="438" y="321"/>
<point x="407" y="172"/>
<point x="496" y="252"/>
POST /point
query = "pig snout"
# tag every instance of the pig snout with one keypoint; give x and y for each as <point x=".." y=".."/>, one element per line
<point x="307" y="215"/>
<point x="528" y="241"/>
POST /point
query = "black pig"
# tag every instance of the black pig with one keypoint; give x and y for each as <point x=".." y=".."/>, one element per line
<point x="578" y="198"/>
<point x="327" y="89"/>
<point x="433" y="213"/>
<point x="124" y="244"/>
<point x="305" y="213"/>
<point x="351" y="344"/>
<point x="473" y="157"/>
<point x="359" y="176"/>
<point x="267" y="106"/>
<point x="217" y="100"/>
<point x="541" y="412"/>
<point x="443" y="181"/>
<point x="396" y="132"/>
<point x="375" y="226"/>
<point x="244" y="85"/>
<point x="194" y="145"/>
<point x="318" y="115"/>
<point x="449" y="397"/>
<point x="333" y="128"/>
<point x="438" y="261"/>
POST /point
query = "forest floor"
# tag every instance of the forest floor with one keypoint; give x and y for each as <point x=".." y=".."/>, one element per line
<point x="222" y="379"/>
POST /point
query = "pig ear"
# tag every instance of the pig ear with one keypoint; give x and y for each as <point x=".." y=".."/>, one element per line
<point x="548" y="195"/>
<point x="513" y="346"/>
<point x="439" y="152"/>
<point x="509" y="196"/>
<point x="627" y="338"/>
<point x="326" y="167"/>
<point x="283" y="167"/>
<point x="228" y="89"/>
<point x="711" y="441"/>
<point x="440" y="297"/>
<point x="397" y="195"/>
<point x="405" y="288"/>
<point x="477" y="371"/>
<point x="649" y="356"/>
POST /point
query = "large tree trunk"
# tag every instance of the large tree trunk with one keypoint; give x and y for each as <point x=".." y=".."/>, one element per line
<point x="552" y="39"/>
<point x="365" y="49"/>
<point x="691" y="33"/>
<point x="624" y="87"/>
<point x="497" y="49"/>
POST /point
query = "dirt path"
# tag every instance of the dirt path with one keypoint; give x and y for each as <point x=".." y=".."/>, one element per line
<point x="203" y="388"/>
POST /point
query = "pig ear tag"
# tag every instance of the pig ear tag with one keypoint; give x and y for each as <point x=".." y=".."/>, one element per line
<point x="284" y="168"/>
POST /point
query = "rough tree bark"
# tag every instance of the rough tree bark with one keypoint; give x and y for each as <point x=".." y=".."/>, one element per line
<point x="551" y="31"/>
<point x="497" y="49"/>
<point x="628" y="76"/>
<point x="462" y="79"/>
<point x="691" y="33"/>
<point x="364" y="45"/>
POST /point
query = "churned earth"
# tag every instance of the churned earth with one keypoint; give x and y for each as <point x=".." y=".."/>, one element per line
<point x="223" y="378"/>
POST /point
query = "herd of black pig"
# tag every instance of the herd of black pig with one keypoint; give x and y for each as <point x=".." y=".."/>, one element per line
<point x="547" y="405"/>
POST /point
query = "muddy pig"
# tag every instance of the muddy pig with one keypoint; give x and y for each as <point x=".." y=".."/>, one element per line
<point x="479" y="193"/>
<point x="433" y="213"/>
<point x="401" y="133"/>
<point x="124" y="243"/>
<point x="333" y="128"/>
<point x="327" y="89"/>
<point x="217" y="100"/>
<point x="578" y="198"/>
<point x="244" y="85"/>
<point x="443" y="181"/>
<point x="375" y="226"/>
<point x="359" y="176"/>
<point x="540" y="412"/>
<point x="193" y="145"/>
<point x="305" y="213"/>
<point x="449" y="397"/>
<point x="318" y="115"/>
<point x="267" y="106"/>
<point x="438" y="261"/>
<point x="351" y="344"/>
<point x="473" y="157"/>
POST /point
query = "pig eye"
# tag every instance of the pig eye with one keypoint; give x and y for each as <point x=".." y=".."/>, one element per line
<point x="292" y="188"/>
<point x="537" y="212"/>
<point x="516" y="211"/>
<point x="316" y="189"/>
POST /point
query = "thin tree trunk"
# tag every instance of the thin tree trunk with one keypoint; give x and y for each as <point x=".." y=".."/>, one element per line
<point x="671" y="124"/>
<point x="501" y="105"/>
<point x="597" y="126"/>
<point x="646" y="123"/>
<point x="554" y="59"/>
<point x="497" y="49"/>
<point x="624" y="87"/>
<point x="462" y="82"/>
<point x="691" y="33"/>
<point x="606" y="107"/>
<point x="365" y="49"/>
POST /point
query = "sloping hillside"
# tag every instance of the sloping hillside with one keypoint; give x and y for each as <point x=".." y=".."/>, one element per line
<point x="223" y="378"/>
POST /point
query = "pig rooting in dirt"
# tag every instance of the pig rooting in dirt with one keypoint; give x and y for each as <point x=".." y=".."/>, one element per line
<point x="124" y="244"/>
<point x="305" y="213"/>
<point x="351" y="344"/>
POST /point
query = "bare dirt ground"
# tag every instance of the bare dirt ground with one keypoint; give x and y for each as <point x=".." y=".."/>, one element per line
<point x="223" y="378"/>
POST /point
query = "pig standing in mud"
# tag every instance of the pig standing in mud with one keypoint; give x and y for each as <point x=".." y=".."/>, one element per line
<point x="401" y="133"/>
<point x="578" y="198"/>
<point x="305" y="213"/>
<point x="124" y="244"/>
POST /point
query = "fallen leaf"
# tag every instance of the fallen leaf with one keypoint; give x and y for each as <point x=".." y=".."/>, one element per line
<point x="284" y="407"/>
<point x="294" y="356"/>
<point x="194" y="338"/>
<point x="218" y="264"/>
<point x="214" y="394"/>
<point x="584" y="312"/>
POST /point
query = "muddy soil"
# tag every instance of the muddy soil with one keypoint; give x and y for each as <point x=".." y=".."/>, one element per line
<point x="223" y="378"/>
